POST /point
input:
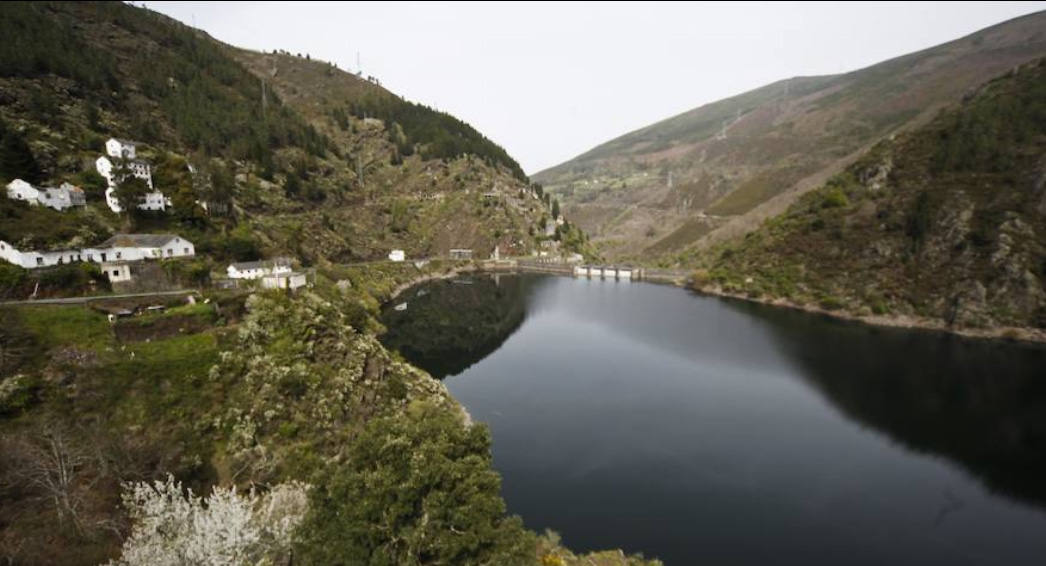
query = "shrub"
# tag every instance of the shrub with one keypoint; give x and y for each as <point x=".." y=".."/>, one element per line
<point x="172" y="526"/>
<point x="831" y="303"/>
<point x="835" y="198"/>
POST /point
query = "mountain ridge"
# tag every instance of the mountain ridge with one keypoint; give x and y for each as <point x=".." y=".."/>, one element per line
<point x="665" y="187"/>
<point x="940" y="226"/>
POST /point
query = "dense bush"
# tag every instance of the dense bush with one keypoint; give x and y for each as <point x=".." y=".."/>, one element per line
<point x="418" y="489"/>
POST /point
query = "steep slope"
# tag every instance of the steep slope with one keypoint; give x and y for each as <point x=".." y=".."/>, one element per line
<point x="944" y="223"/>
<point x="664" y="187"/>
<point x="234" y="390"/>
<point x="308" y="160"/>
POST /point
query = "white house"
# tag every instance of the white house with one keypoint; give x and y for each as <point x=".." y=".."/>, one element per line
<point x="124" y="149"/>
<point x="119" y="248"/>
<point x="154" y="200"/>
<point x="136" y="167"/>
<point x="257" y="269"/>
<point x="284" y="280"/>
<point x="34" y="259"/>
<point x="65" y="196"/>
<point x="136" y="247"/>
<point x="397" y="255"/>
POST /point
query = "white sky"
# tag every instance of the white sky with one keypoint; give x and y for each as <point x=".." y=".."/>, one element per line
<point x="548" y="81"/>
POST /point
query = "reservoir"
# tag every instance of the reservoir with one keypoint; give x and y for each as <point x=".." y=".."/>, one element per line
<point x="707" y="431"/>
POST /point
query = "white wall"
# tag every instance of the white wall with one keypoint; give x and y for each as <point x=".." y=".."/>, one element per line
<point x="257" y="272"/>
<point x="117" y="272"/>
<point x="177" y="247"/>
<point x="33" y="260"/>
<point x="21" y="190"/>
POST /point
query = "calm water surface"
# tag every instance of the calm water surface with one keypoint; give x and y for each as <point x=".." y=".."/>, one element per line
<point x="703" y="431"/>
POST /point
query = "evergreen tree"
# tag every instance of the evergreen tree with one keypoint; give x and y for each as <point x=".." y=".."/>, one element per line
<point x="16" y="159"/>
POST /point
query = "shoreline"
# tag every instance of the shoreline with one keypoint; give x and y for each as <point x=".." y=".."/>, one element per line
<point x="425" y="278"/>
<point x="1002" y="333"/>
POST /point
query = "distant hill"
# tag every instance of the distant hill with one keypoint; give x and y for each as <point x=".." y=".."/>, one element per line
<point x="946" y="222"/>
<point x="716" y="171"/>
<point x="312" y="161"/>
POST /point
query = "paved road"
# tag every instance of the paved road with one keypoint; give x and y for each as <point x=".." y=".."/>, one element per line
<point x="79" y="300"/>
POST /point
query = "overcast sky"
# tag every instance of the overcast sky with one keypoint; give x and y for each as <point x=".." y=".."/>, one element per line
<point x="550" y="81"/>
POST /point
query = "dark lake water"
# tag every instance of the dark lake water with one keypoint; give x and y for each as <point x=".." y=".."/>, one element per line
<point x="705" y="431"/>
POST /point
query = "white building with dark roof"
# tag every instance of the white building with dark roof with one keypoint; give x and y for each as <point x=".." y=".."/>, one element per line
<point x="136" y="247"/>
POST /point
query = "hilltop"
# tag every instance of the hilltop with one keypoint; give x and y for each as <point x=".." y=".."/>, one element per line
<point x="716" y="171"/>
<point x="941" y="226"/>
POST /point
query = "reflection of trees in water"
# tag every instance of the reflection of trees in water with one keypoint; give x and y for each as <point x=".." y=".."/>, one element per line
<point x="979" y="403"/>
<point x="450" y="325"/>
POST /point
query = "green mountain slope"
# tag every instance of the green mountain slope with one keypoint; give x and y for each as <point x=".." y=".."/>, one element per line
<point x="726" y="165"/>
<point x="309" y="160"/>
<point x="236" y="390"/>
<point x="944" y="223"/>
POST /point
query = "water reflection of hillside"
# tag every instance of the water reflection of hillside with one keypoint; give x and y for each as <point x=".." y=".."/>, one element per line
<point x="979" y="403"/>
<point x="447" y="326"/>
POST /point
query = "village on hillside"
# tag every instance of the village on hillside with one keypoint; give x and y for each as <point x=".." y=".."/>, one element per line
<point x="121" y="256"/>
<point x="124" y="258"/>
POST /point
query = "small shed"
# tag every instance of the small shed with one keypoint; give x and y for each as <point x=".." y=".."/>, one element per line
<point x="117" y="272"/>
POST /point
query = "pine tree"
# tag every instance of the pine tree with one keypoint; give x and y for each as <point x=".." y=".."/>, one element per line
<point x="16" y="159"/>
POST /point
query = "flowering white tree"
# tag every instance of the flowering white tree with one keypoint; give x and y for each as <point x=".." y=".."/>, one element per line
<point x="173" y="527"/>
